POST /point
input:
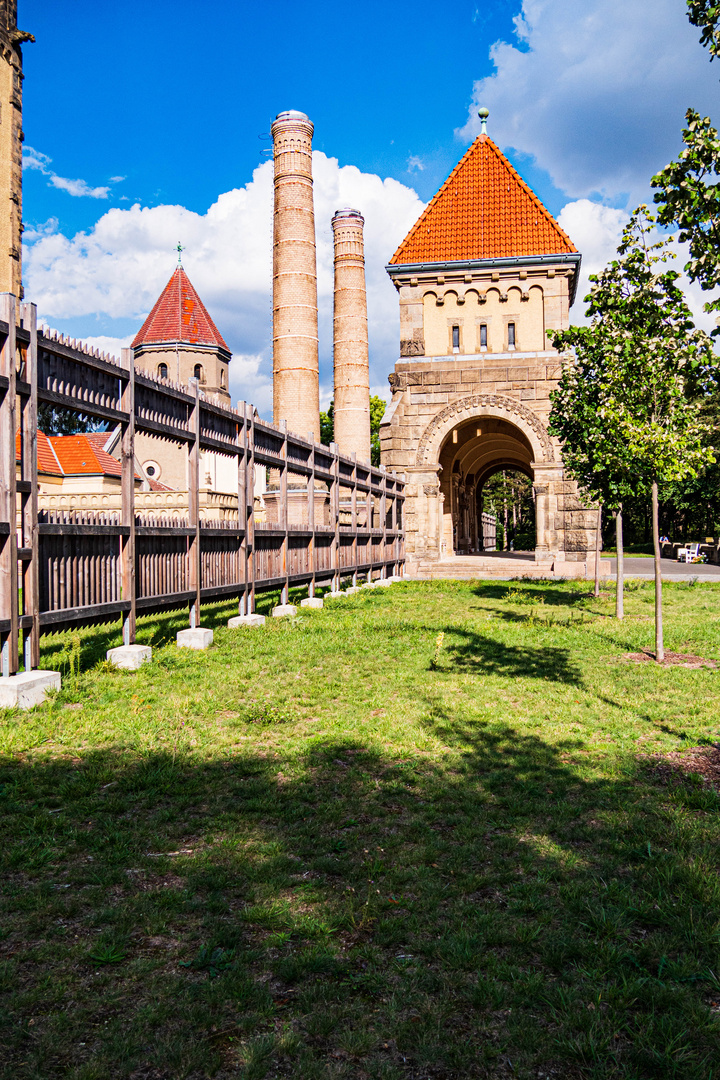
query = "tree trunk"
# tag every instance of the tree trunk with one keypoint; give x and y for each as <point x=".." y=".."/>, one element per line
<point x="598" y="548"/>
<point x="659" y="646"/>
<point x="620" y="587"/>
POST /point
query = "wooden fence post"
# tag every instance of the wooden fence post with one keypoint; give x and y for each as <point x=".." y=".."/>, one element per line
<point x="354" y="520"/>
<point x="335" y="505"/>
<point x="383" y="519"/>
<point x="127" y="481"/>
<point x="31" y="596"/>
<point x="311" y="514"/>
<point x="369" y="504"/>
<point x="243" y="521"/>
<point x="285" y="593"/>
<point x="194" y="553"/>
<point x="8" y="493"/>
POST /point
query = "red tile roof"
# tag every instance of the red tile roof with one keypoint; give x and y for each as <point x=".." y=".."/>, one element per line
<point x="179" y="315"/>
<point x="484" y="210"/>
<point x="73" y="455"/>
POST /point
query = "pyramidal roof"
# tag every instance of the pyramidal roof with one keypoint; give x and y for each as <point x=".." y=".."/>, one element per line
<point x="179" y="315"/>
<point x="484" y="210"/>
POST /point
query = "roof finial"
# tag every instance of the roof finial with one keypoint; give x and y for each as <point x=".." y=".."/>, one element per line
<point x="180" y="250"/>
<point x="483" y="113"/>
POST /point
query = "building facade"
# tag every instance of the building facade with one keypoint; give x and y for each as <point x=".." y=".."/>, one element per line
<point x="482" y="277"/>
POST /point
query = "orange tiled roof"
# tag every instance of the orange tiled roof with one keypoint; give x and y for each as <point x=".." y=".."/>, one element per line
<point x="179" y="315"/>
<point x="484" y="210"/>
<point x="73" y="455"/>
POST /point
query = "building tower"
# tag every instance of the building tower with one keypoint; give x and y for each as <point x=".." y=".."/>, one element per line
<point x="11" y="140"/>
<point x="350" y="337"/>
<point x="296" y="392"/>
<point x="482" y="277"/>
<point x="179" y="340"/>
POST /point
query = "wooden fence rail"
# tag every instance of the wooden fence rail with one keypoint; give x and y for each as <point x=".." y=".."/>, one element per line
<point x="79" y="567"/>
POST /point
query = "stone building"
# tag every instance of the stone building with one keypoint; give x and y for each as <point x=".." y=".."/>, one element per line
<point x="482" y="277"/>
<point x="179" y="341"/>
<point x="11" y="140"/>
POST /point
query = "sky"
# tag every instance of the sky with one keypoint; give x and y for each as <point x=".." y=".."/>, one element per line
<point x="148" y="124"/>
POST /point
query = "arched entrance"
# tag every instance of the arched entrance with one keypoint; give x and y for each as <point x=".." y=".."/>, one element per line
<point x="473" y="452"/>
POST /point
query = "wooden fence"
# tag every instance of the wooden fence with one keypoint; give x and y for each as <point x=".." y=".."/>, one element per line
<point x="59" y="569"/>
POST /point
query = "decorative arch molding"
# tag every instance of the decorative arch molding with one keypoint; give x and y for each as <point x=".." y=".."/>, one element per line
<point x="501" y="408"/>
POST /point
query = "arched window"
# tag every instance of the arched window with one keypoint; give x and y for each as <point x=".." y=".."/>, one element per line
<point x="223" y="378"/>
<point x="162" y="371"/>
<point x="198" y="373"/>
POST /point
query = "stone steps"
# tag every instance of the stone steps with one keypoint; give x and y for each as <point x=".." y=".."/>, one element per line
<point x="475" y="567"/>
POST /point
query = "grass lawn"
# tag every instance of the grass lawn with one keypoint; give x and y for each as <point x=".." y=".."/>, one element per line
<point x="312" y="852"/>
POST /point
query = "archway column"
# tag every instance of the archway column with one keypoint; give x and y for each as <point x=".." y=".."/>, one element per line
<point x="550" y="539"/>
<point x="424" y="512"/>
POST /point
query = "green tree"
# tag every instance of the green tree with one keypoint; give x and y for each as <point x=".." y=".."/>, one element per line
<point x="578" y="418"/>
<point x="650" y="365"/>
<point x="55" y="420"/>
<point x="688" y="194"/>
<point x="705" y="14"/>
<point x="377" y="411"/>
<point x="327" y="425"/>
<point x="688" y="198"/>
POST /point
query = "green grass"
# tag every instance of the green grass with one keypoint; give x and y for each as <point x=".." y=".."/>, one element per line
<point x="334" y="849"/>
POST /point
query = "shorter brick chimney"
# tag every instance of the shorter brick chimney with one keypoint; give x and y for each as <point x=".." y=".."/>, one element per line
<point x="350" y="337"/>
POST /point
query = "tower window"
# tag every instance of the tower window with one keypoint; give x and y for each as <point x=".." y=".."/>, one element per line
<point x="456" y="338"/>
<point x="511" y="335"/>
<point x="483" y="335"/>
<point x="223" y="378"/>
<point x="198" y="373"/>
<point x="162" y="371"/>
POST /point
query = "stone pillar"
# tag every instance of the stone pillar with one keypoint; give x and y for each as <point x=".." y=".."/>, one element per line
<point x="296" y="394"/>
<point x="350" y="337"/>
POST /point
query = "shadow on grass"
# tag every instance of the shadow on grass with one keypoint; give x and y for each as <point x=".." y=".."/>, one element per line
<point x="481" y="654"/>
<point x="338" y="912"/>
<point x="549" y="592"/>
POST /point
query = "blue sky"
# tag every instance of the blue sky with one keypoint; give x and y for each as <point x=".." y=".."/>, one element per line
<point x="147" y="123"/>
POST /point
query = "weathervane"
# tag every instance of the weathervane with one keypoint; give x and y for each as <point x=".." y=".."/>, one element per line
<point x="180" y="250"/>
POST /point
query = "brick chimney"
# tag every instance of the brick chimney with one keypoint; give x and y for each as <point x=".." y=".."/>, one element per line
<point x="350" y="337"/>
<point x="296" y="395"/>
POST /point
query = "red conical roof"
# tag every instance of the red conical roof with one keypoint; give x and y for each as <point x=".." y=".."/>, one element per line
<point x="484" y="210"/>
<point x="179" y="315"/>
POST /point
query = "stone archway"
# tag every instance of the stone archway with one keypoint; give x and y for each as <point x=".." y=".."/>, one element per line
<point x="464" y="443"/>
<point x="480" y="405"/>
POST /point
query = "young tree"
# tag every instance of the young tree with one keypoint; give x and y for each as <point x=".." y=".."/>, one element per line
<point x="650" y="367"/>
<point x="578" y="419"/>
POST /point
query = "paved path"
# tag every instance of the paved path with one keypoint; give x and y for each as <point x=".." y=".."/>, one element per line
<point x="644" y="568"/>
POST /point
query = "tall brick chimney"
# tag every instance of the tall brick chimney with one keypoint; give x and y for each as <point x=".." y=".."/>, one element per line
<point x="350" y="337"/>
<point x="296" y="394"/>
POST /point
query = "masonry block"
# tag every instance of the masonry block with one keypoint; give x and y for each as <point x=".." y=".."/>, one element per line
<point x="283" y="610"/>
<point x="129" y="657"/>
<point x="352" y="590"/>
<point x="199" y="638"/>
<point x="27" y="689"/>
<point x="246" y="620"/>
<point x="312" y="602"/>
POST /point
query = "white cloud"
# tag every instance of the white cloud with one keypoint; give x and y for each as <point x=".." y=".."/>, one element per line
<point x="34" y="159"/>
<point x="79" y="188"/>
<point x="119" y="267"/>
<point x="596" y="92"/>
<point x="415" y="164"/>
<point x="596" y="231"/>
